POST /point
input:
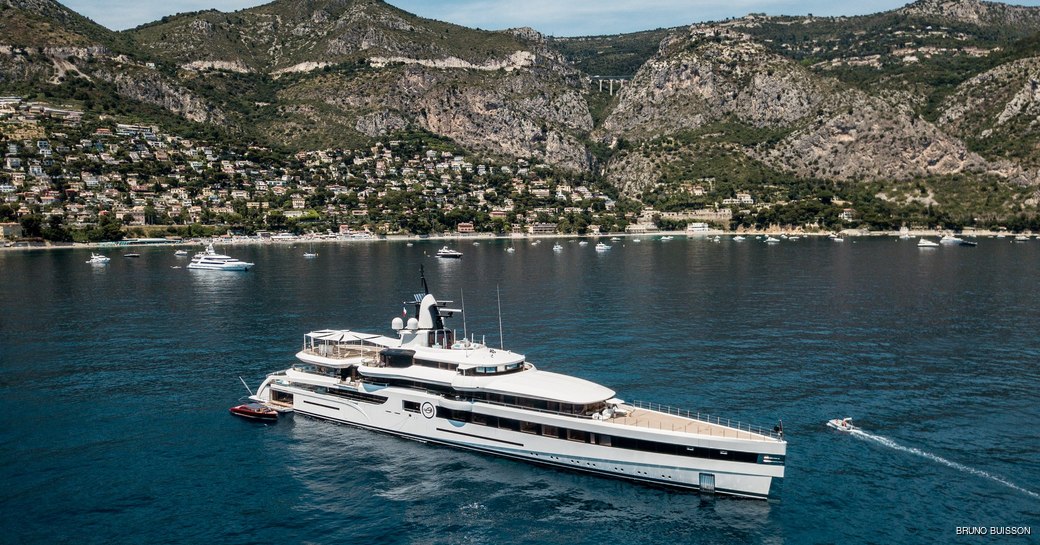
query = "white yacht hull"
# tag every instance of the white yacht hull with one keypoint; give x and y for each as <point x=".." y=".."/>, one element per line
<point x="429" y="425"/>
<point x="229" y="267"/>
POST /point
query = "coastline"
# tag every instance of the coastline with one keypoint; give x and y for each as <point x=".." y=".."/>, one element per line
<point x="463" y="237"/>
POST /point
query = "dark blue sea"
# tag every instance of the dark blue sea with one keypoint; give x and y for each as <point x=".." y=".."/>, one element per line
<point x="115" y="384"/>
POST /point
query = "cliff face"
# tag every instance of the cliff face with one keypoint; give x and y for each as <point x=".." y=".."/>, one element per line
<point x="710" y="73"/>
<point x="508" y="113"/>
<point x="975" y="12"/>
<point x="826" y="129"/>
<point x="999" y="111"/>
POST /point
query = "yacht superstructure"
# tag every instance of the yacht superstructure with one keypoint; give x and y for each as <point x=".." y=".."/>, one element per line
<point x="425" y="384"/>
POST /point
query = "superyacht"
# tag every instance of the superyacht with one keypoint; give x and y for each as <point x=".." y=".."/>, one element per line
<point x="426" y="384"/>
<point x="211" y="260"/>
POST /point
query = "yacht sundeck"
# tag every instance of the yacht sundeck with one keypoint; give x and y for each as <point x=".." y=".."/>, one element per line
<point x="424" y="383"/>
<point x="211" y="260"/>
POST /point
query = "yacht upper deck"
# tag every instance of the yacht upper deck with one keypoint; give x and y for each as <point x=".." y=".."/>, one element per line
<point x="660" y="417"/>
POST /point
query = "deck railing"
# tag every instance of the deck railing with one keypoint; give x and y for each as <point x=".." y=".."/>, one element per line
<point x="726" y="422"/>
<point x="339" y="351"/>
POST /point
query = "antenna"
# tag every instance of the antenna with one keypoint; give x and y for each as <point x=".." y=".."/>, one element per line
<point x="422" y="276"/>
<point x="462" y="296"/>
<point x="246" y="385"/>
<point x="501" y="341"/>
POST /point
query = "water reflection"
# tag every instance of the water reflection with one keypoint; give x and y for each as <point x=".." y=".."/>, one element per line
<point x="458" y="496"/>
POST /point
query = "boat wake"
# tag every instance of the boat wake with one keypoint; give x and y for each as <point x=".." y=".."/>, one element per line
<point x="935" y="458"/>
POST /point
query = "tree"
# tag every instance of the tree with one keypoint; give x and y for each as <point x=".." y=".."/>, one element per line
<point x="56" y="230"/>
<point x="32" y="225"/>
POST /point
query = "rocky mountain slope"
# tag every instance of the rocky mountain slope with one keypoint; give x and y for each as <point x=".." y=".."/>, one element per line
<point x="938" y="88"/>
<point x="363" y="67"/>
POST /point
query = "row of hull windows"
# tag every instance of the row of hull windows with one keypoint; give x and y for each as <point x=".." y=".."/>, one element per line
<point x="582" y="436"/>
<point x="472" y="371"/>
<point x="557" y="432"/>
<point x="348" y="394"/>
<point x="439" y="389"/>
<point x="501" y="399"/>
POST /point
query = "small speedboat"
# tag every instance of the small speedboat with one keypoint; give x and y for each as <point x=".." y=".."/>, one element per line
<point x="98" y="258"/>
<point x="310" y="254"/>
<point x="602" y="247"/>
<point x="255" y="411"/>
<point x="738" y="238"/>
<point x="842" y="424"/>
<point x="181" y="253"/>
<point x="557" y="247"/>
<point x="131" y="255"/>
<point x="925" y="243"/>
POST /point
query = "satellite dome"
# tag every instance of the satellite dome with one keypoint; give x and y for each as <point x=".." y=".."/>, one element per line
<point x="397" y="324"/>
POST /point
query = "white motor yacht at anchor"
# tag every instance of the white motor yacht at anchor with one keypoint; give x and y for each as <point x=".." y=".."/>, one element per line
<point x="449" y="253"/>
<point x="211" y="260"/>
<point x="425" y="384"/>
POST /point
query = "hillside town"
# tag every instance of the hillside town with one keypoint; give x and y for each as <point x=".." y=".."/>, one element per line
<point x="67" y="177"/>
<point x="76" y="174"/>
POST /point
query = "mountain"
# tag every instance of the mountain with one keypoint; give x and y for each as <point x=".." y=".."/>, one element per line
<point x="46" y="49"/>
<point x="975" y="12"/>
<point x="322" y="69"/>
<point x="818" y="126"/>
<point x="938" y="90"/>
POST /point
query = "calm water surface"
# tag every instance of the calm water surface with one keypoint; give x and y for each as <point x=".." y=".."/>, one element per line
<point x="116" y="381"/>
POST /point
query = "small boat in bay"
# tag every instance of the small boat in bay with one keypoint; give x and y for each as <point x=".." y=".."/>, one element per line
<point x="447" y="252"/>
<point x="97" y="259"/>
<point x="925" y="243"/>
<point x="255" y="411"/>
<point x="842" y="424"/>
